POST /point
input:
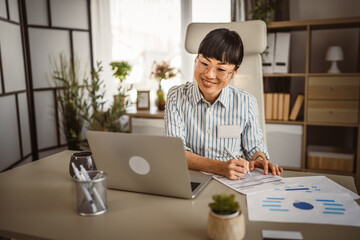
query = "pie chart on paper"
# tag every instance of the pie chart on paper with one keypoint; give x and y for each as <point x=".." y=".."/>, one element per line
<point x="303" y="205"/>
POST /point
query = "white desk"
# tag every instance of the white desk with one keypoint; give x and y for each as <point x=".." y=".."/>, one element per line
<point x="37" y="201"/>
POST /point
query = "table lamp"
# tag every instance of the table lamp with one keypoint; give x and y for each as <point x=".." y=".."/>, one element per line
<point x="334" y="54"/>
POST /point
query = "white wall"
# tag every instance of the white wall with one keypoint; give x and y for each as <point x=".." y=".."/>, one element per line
<point x="318" y="9"/>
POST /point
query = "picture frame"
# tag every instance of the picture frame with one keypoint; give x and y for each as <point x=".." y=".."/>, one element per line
<point x="143" y="100"/>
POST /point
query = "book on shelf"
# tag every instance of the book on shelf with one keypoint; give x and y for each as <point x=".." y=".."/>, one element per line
<point x="286" y="106"/>
<point x="268" y="106"/>
<point x="280" y="106"/>
<point x="275" y="107"/>
<point x="297" y="106"/>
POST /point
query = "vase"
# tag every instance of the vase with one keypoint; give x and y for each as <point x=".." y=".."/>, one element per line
<point x="226" y="227"/>
<point x="160" y="101"/>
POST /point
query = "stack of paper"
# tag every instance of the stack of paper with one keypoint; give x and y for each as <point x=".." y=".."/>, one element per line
<point x="312" y="199"/>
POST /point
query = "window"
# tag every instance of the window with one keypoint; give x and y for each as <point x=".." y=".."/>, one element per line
<point x="144" y="31"/>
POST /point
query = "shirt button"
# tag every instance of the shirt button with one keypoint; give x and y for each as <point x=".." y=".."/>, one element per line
<point x="208" y="131"/>
<point x="208" y="150"/>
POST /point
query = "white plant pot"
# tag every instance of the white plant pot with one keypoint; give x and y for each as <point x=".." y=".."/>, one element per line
<point x="226" y="227"/>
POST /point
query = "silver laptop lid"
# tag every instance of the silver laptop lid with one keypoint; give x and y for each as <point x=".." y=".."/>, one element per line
<point x="142" y="163"/>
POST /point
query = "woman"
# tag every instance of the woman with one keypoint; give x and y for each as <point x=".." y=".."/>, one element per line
<point x="209" y="115"/>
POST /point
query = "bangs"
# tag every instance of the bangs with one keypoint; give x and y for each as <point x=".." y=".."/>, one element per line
<point x="223" y="45"/>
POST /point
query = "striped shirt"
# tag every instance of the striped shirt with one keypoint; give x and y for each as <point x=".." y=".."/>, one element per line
<point x="205" y="128"/>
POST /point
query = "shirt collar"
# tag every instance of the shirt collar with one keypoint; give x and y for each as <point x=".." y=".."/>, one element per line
<point x="223" y="98"/>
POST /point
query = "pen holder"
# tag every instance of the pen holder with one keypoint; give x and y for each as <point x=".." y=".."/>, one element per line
<point x="91" y="196"/>
<point x="82" y="158"/>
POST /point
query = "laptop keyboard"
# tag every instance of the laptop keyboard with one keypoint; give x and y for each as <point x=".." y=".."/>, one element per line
<point x="194" y="185"/>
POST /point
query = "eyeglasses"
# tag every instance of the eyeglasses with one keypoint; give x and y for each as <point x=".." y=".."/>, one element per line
<point x="203" y="66"/>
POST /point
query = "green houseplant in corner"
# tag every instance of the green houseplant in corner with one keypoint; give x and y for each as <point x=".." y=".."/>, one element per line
<point x="225" y="219"/>
<point x="106" y="120"/>
<point x="70" y="96"/>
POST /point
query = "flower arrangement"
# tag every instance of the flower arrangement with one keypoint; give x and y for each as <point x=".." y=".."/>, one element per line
<point x="163" y="71"/>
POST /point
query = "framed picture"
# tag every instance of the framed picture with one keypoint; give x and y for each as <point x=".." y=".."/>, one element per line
<point x="143" y="100"/>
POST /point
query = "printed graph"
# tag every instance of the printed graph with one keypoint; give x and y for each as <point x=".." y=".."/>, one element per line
<point x="326" y="206"/>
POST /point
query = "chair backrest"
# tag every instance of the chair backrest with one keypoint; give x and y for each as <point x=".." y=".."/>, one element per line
<point x="249" y="76"/>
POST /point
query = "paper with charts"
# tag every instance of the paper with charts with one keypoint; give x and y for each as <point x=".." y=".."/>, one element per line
<point x="314" y="184"/>
<point x="256" y="182"/>
<point x="300" y="207"/>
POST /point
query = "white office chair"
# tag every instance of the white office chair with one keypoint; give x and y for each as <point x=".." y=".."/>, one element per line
<point x="249" y="76"/>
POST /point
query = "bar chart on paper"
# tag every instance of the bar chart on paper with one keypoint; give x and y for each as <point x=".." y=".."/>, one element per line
<point x="322" y="208"/>
<point x="313" y="184"/>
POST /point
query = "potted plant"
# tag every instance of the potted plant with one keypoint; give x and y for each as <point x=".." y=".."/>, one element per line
<point x="225" y="219"/>
<point x="264" y="10"/>
<point x="121" y="71"/>
<point x="96" y="117"/>
<point x="162" y="71"/>
<point x="70" y="96"/>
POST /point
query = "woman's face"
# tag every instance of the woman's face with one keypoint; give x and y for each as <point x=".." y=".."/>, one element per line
<point x="212" y="76"/>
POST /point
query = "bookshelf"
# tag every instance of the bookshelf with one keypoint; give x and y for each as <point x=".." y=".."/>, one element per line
<point x="330" y="111"/>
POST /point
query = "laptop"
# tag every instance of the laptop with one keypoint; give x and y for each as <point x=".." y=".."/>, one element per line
<point x="145" y="163"/>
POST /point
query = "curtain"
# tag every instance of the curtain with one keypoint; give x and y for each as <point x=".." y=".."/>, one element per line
<point x="102" y="45"/>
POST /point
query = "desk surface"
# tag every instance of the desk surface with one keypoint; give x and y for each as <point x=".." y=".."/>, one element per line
<point x="37" y="200"/>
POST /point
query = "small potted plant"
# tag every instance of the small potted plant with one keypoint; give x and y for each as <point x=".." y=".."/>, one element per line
<point x="225" y="219"/>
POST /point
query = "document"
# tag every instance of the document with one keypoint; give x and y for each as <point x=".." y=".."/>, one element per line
<point x="300" y="207"/>
<point x="256" y="182"/>
<point x="314" y="184"/>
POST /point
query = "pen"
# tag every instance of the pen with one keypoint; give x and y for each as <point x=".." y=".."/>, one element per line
<point x="86" y="192"/>
<point x="97" y="196"/>
<point x="232" y="155"/>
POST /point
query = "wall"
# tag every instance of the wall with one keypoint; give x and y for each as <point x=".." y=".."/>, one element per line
<point x="31" y="32"/>
<point x="322" y="39"/>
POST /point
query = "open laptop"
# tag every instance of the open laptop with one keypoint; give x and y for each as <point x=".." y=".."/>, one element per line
<point x="146" y="164"/>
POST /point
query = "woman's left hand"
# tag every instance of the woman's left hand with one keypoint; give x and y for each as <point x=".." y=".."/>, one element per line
<point x="265" y="164"/>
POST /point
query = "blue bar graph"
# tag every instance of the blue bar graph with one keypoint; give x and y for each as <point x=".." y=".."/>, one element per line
<point x="338" y="213"/>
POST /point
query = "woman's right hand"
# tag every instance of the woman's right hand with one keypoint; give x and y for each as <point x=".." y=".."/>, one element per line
<point x="235" y="169"/>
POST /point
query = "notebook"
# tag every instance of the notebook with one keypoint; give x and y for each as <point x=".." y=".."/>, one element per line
<point x="145" y="163"/>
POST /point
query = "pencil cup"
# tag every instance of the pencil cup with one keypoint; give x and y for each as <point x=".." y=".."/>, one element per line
<point x="82" y="158"/>
<point x="91" y="196"/>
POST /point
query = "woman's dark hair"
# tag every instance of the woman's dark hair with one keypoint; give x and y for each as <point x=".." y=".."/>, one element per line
<point x="223" y="45"/>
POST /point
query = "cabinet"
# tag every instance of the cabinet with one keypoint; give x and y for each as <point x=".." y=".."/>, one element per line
<point x="329" y="115"/>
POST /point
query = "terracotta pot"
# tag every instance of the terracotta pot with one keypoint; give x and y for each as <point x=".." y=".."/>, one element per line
<point x="226" y="227"/>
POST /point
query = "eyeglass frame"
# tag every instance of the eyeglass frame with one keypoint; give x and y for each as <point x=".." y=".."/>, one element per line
<point x="228" y="73"/>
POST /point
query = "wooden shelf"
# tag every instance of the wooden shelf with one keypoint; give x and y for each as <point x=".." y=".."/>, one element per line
<point x="308" y="28"/>
<point x="286" y="122"/>
<point x="284" y="75"/>
<point x="319" y="23"/>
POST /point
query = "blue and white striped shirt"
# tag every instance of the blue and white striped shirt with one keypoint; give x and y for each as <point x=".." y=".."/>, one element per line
<point x="198" y="123"/>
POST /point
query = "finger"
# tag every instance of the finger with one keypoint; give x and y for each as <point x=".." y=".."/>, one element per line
<point x="241" y="170"/>
<point x="252" y="166"/>
<point x="240" y="175"/>
<point x="277" y="170"/>
<point x="266" y="167"/>
<point x="273" y="169"/>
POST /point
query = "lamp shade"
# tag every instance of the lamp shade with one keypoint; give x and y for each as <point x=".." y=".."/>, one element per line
<point x="334" y="53"/>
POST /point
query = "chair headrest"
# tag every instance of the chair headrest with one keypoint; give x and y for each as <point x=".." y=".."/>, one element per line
<point x="252" y="33"/>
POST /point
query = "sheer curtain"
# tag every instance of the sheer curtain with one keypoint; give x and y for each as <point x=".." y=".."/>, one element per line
<point x="144" y="31"/>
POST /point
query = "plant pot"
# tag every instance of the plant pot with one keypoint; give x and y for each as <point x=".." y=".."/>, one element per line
<point x="226" y="227"/>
